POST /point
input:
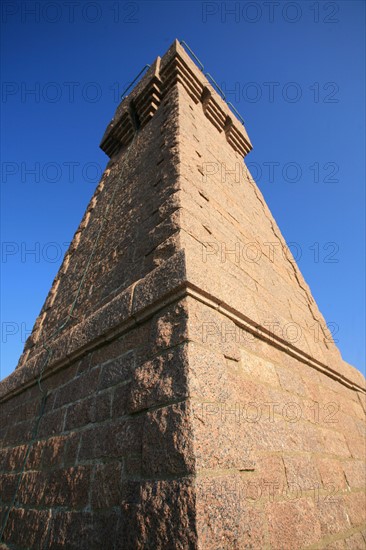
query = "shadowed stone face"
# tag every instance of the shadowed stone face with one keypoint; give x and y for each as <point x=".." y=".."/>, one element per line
<point x="194" y="395"/>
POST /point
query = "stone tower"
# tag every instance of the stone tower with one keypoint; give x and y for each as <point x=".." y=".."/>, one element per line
<point x="180" y="388"/>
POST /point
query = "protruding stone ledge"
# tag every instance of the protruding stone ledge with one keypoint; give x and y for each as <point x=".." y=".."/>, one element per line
<point x="134" y="111"/>
<point x="139" y="107"/>
<point x="167" y="284"/>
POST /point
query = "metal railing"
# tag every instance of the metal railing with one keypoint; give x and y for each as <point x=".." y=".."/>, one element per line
<point x="212" y="81"/>
<point x="209" y="77"/>
<point x="123" y="94"/>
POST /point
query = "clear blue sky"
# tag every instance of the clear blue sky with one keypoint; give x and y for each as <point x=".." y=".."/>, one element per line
<point x="298" y="71"/>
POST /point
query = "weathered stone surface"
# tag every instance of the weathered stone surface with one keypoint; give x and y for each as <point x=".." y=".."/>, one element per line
<point x="293" y="524"/>
<point x="160" y="514"/>
<point x="355" y="472"/>
<point x="332" y="473"/>
<point x="107" y="489"/>
<point x="167" y="441"/>
<point x="83" y="530"/>
<point x="302" y="471"/>
<point x="37" y="522"/>
<point x="160" y="381"/>
<point x="228" y="515"/>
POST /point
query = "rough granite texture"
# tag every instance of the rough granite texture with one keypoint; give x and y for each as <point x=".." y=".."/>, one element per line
<point x="190" y="395"/>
